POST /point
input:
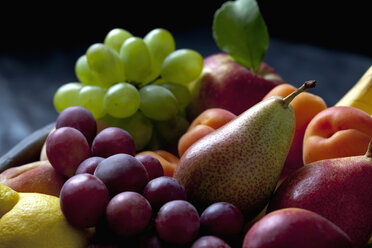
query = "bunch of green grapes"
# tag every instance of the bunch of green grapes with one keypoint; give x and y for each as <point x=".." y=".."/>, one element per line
<point x="139" y="84"/>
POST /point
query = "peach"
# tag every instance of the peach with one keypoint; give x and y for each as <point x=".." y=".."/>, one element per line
<point x="339" y="131"/>
<point x="38" y="177"/>
<point x="305" y="106"/>
<point x="205" y="123"/>
<point x="167" y="160"/>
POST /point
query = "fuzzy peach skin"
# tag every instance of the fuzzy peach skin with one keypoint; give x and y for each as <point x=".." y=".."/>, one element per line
<point x="36" y="177"/>
<point x="336" y="132"/>
<point x="306" y="106"/>
<point x="205" y="123"/>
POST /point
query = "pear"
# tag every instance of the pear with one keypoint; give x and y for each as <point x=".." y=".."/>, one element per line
<point x="240" y="163"/>
<point x="339" y="189"/>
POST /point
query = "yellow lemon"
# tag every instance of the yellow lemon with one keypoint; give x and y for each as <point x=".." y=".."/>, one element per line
<point x="35" y="220"/>
<point x="8" y="198"/>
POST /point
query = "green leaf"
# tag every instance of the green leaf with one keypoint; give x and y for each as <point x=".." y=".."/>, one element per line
<point x="240" y="30"/>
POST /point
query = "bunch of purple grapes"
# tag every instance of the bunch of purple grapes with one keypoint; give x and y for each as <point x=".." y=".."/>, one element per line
<point x="125" y="197"/>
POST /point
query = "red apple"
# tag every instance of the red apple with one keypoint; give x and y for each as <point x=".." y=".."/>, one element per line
<point x="295" y="227"/>
<point x="226" y="84"/>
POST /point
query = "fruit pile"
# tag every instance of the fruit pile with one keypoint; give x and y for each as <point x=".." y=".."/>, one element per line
<point x="113" y="189"/>
<point x="135" y="83"/>
<point x="281" y="169"/>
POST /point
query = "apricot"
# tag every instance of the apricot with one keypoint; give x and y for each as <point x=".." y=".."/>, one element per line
<point x="205" y="123"/>
<point x="190" y="137"/>
<point x="339" y="131"/>
<point x="168" y="160"/>
<point x="213" y="117"/>
<point x="306" y="106"/>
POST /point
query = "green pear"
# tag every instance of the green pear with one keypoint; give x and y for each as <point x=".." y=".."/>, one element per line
<point x="240" y="163"/>
<point x="339" y="189"/>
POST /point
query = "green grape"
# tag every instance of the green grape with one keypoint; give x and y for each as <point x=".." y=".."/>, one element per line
<point x="91" y="97"/>
<point x="171" y="130"/>
<point x="159" y="81"/>
<point x="160" y="43"/>
<point x="156" y="142"/>
<point x="66" y="96"/>
<point x="182" y="66"/>
<point x="121" y="100"/>
<point x="116" y="37"/>
<point x="106" y="64"/>
<point x="136" y="59"/>
<point x="158" y="103"/>
<point x="138" y="126"/>
<point x="84" y="73"/>
<point x="181" y="92"/>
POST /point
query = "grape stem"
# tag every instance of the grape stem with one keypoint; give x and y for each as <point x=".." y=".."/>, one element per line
<point x="150" y="82"/>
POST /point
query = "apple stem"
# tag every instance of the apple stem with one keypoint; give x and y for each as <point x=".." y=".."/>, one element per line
<point x="369" y="150"/>
<point x="307" y="85"/>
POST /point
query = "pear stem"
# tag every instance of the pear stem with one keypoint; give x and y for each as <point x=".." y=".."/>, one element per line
<point x="369" y="150"/>
<point x="307" y="85"/>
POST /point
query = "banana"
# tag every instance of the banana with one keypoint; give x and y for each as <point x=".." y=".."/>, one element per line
<point x="360" y="95"/>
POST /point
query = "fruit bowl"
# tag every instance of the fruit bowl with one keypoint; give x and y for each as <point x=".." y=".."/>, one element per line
<point x="27" y="150"/>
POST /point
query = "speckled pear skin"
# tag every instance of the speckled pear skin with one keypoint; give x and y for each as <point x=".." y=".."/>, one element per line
<point x="241" y="162"/>
<point x="339" y="189"/>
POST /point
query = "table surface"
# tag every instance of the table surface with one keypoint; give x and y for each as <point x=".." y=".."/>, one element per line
<point x="28" y="82"/>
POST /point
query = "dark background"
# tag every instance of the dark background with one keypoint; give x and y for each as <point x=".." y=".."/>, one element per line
<point x="341" y="25"/>
<point x="329" y="42"/>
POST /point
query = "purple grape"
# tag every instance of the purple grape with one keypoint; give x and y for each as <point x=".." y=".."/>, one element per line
<point x="111" y="141"/>
<point x="89" y="165"/>
<point x="209" y="242"/>
<point x="66" y="148"/>
<point x="150" y="240"/>
<point x="128" y="213"/>
<point x="222" y="219"/>
<point x="152" y="165"/>
<point x="163" y="189"/>
<point x="122" y="172"/>
<point x="80" y="118"/>
<point x="83" y="200"/>
<point x="177" y="222"/>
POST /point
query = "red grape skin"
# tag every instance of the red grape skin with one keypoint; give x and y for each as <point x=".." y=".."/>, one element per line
<point x="122" y="172"/>
<point x="83" y="200"/>
<point x="128" y="213"/>
<point x="222" y="219"/>
<point x="152" y="165"/>
<point x="80" y="118"/>
<point x="209" y="242"/>
<point x="111" y="141"/>
<point x="89" y="165"/>
<point x="150" y="240"/>
<point x="66" y="148"/>
<point x="177" y="222"/>
<point x="163" y="189"/>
